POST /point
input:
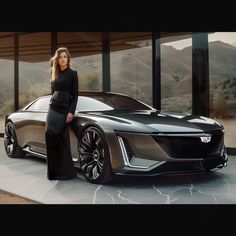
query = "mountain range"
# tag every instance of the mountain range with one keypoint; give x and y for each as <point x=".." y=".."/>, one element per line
<point x="131" y="73"/>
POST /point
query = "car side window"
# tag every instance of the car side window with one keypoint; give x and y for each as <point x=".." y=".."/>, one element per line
<point x="108" y="103"/>
<point x="40" y="105"/>
<point x="91" y="104"/>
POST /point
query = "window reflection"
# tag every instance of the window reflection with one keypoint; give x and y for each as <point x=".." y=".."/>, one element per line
<point x="34" y="66"/>
<point x="222" y="70"/>
<point x="86" y="52"/>
<point x="7" y="78"/>
<point x="131" y="64"/>
<point x="176" y="74"/>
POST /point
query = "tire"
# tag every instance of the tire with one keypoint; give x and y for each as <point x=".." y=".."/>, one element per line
<point x="13" y="150"/>
<point x="95" y="157"/>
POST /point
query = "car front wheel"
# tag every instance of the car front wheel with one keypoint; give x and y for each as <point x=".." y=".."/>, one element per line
<point x="94" y="156"/>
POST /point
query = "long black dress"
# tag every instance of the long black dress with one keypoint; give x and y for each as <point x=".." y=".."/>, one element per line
<point x="64" y="99"/>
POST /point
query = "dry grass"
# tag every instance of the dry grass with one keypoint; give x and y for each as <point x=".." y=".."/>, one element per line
<point x="2" y="121"/>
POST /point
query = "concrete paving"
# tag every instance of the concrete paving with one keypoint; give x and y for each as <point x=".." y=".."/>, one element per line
<point x="27" y="178"/>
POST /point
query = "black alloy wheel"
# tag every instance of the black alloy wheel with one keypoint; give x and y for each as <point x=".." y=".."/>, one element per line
<point x="94" y="156"/>
<point x="10" y="142"/>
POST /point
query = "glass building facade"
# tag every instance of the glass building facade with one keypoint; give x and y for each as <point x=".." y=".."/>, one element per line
<point x="176" y="72"/>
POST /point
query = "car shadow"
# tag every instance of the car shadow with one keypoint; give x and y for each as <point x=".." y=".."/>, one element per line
<point x="162" y="180"/>
<point x="170" y="179"/>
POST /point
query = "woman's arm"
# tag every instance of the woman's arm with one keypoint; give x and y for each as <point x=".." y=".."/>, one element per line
<point x="74" y="93"/>
<point x="52" y="88"/>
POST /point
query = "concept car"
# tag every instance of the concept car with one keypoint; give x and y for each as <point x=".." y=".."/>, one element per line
<point x="114" y="134"/>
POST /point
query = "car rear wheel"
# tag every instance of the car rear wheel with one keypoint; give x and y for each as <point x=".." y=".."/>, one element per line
<point x="10" y="142"/>
<point x="94" y="157"/>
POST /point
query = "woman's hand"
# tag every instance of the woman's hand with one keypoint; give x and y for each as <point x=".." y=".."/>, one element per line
<point x="69" y="117"/>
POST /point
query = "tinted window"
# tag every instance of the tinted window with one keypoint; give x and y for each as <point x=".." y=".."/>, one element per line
<point x="40" y="105"/>
<point x="96" y="103"/>
<point x="105" y="103"/>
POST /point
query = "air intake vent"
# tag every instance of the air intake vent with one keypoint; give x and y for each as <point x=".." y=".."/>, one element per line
<point x="128" y="149"/>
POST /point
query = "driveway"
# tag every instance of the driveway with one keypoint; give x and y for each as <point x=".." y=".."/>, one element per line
<point x="27" y="178"/>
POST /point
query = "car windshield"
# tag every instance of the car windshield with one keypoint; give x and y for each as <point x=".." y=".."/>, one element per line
<point x="109" y="102"/>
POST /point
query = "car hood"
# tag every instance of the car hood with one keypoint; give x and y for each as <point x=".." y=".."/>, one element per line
<point x="152" y="121"/>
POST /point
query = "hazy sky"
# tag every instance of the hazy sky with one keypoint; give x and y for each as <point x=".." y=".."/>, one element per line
<point x="227" y="37"/>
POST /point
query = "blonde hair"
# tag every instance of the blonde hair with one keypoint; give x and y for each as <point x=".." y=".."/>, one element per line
<point x="55" y="64"/>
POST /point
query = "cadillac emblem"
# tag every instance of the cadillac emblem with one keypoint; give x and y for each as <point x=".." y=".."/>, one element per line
<point x="206" y="139"/>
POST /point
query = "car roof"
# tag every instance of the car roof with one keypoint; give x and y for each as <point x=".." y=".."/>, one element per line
<point x="95" y="93"/>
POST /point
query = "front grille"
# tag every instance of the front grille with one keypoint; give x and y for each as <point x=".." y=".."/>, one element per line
<point x="190" y="146"/>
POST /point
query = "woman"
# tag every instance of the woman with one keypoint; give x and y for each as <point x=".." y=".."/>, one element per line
<point x="64" y="89"/>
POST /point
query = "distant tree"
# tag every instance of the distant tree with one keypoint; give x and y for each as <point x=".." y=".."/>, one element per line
<point x="89" y="81"/>
<point x="93" y="81"/>
<point x="177" y="78"/>
<point x="8" y="107"/>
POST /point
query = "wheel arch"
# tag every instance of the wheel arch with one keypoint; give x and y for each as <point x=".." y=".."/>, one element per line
<point x="115" y="153"/>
